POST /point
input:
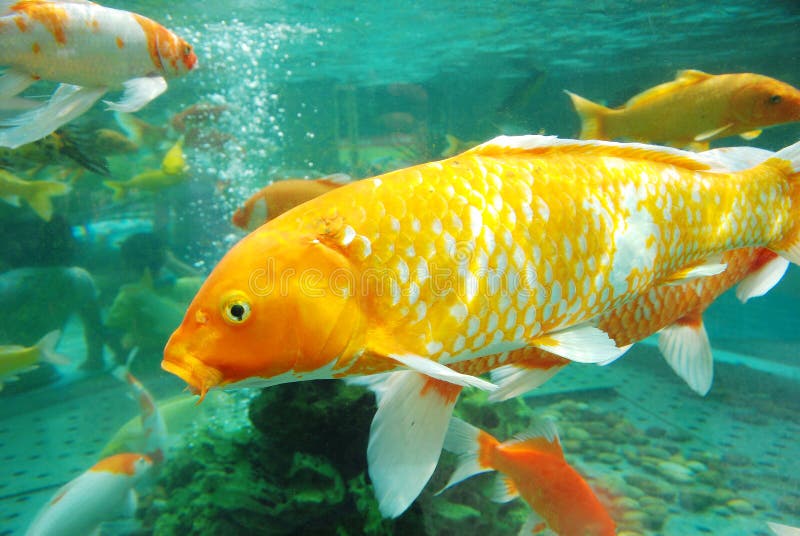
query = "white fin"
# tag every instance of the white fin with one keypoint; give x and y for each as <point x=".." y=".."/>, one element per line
<point x="504" y="489"/>
<point x="12" y="83"/>
<point x="704" y="136"/>
<point x="759" y="282"/>
<point x="47" y="347"/>
<point x="67" y="103"/>
<point x="138" y="92"/>
<point x="374" y="382"/>
<point x="737" y="158"/>
<point x="542" y="428"/>
<point x="535" y="141"/>
<point x="462" y="439"/>
<point x="686" y="349"/>
<point x="792" y="155"/>
<point x="783" y="530"/>
<point x="582" y="343"/>
<point x="514" y="380"/>
<point x="436" y="370"/>
<point x="709" y="267"/>
<point x="406" y="439"/>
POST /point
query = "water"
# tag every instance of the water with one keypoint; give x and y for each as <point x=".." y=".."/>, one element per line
<point x="359" y="88"/>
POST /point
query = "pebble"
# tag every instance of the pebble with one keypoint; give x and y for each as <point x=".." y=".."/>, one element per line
<point x="740" y="506"/>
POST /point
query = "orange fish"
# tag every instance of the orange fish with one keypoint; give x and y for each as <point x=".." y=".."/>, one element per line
<point x="520" y="242"/>
<point x="280" y="196"/>
<point x="532" y="466"/>
<point x="693" y="110"/>
<point x="89" y="49"/>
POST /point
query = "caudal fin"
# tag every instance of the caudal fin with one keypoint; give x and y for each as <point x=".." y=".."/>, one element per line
<point x="469" y="443"/>
<point x="592" y="117"/>
<point x="47" y="349"/>
<point x="40" y="194"/>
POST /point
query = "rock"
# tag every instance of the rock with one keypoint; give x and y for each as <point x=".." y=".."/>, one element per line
<point x="697" y="500"/>
<point x="676" y="472"/>
<point x="655" y="432"/>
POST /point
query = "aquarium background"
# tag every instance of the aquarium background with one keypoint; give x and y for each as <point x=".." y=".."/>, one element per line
<point x="309" y="89"/>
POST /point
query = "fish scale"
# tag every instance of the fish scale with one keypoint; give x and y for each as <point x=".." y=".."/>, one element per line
<point x="515" y="243"/>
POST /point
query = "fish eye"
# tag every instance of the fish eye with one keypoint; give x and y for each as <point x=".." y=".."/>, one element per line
<point x="775" y="99"/>
<point x="187" y="49"/>
<point x="236" y="310"/>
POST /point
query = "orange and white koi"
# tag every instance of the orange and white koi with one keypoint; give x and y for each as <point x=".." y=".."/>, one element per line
<point x="103" y="493"/>
<point x="90" y="50"/>
<point x="154" y="429"/>
<point x="520" y="242"/>
<point x="693" y="110"/>
<point x="532" y="466"/>
<point x="276" y="198"/>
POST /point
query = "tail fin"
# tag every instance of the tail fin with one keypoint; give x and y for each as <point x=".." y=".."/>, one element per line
<point x="39" y="194"/>
<point x="119" y="189"/>
<point x="471" y="444"/>
<point x="789" y="246"/>
<point x="591" y="115"/>
<point x="47" y="349"/>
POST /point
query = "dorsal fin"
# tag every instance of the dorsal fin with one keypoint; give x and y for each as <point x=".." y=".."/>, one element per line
<point x="683" y="79"/>
<point x="534" y="144"/>
<point x="542" y="437"/>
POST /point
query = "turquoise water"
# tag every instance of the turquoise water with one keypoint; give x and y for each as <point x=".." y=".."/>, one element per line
<point x="302" y="91"/>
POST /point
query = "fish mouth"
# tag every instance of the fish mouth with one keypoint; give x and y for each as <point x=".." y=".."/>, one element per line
<point x="199" y="376"/>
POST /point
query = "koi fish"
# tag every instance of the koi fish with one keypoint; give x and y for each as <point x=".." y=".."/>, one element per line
<point x="531" y="466"/>
<point x="90" y="50"/>
<point x="172" y="172"/>
<point x="37" y="194"/>
<point x="518" y="243"/>
<point x="15" y="359"/>
<point x="103" y="493"/>
<point x="693" y="110"/>
<point x="282" y="195"/>
<point x="154" y="429"/>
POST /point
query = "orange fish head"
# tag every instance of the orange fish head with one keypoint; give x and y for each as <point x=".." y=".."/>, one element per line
<point x="765" y="102"/>
<point x="177" y="56"/>
<point x="271" y="312"/>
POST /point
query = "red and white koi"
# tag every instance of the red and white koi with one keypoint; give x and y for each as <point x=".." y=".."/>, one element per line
<point x="90" y="50"/>
<point x="153" y="426"/>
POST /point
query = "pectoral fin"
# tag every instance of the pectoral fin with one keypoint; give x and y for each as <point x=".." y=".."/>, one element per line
<point x="582" y="343"/>
<point x="406" y="436"/>
<point x="686" y="349"/>
<point x="708" y="267"/>
<point x="138" y="92"/>
<point x="431" y="368"/>
<point x="705" y="136"/>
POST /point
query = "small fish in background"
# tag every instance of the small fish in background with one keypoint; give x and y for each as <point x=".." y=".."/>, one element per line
<point x="173" y="171"/>
<point x="16" y="359"/>
<point x="139" y="131"/>
<point x="103" y="493"/>
<point x="37" y="194"/>
<point x="693" y="110"/>
<point x="109" y="142"/>
<point x="66" y="145"/>
<point x="201" y="112"/>
<point x="282" y="195"/>
<point x="90" y="50"/>
<point x="531" y="466"/>
<point x="154" y="429"/>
